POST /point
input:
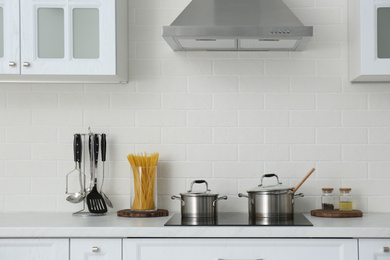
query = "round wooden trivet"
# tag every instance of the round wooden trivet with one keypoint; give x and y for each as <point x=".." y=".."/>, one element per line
<point x="336" y="213"/>
<point x="142" y="214"/>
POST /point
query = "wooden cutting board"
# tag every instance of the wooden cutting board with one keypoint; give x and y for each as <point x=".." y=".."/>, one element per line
<point x="142" y="214"/>
<point x="336" y="213"/>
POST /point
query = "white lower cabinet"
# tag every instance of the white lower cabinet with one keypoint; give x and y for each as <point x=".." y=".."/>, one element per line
<point x="95" y="249"/>
<point x="374" y="249"/>
<point x="34" y="249"/>
<point x="194" y="249"/>
<point x="240" y="249"/>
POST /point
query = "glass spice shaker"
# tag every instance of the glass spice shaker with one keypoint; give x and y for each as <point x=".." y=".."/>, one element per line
<point x="327" y="199"/>
<point x="345" y="201"/>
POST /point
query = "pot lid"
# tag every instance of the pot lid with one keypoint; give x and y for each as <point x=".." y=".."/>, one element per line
<point x="199" y="193"/>
<point x="270" y="188"/>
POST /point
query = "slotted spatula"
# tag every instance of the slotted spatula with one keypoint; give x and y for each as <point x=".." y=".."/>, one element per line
<point x="95" y="201"/>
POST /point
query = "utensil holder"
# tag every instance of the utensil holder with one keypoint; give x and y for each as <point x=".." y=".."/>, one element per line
<point x="82" y="174"/>
<point x="143" y="189"/>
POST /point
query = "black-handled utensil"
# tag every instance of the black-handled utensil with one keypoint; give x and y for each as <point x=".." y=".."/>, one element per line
<point x="91" y="166"/>
<point x="77" y="149"/>
<point x="95" y="201"/>
<point x="96" y="149"/>
<point x="104" y="147"/>
<point x="104" y="150"/>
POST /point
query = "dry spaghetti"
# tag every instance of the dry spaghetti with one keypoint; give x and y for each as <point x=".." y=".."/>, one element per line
<point x="144" y="172"/>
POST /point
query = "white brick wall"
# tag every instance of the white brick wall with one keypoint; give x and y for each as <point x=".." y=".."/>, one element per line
<point x="225" y="117"/>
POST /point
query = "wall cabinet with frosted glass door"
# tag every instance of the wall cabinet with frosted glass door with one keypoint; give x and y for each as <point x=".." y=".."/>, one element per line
<point x="369" y="37"/>
<point x="63" y="40"/>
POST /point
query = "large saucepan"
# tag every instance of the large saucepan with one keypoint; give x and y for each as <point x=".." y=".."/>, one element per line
<point x="199" y="204"/>
<point x="273" y="201"/>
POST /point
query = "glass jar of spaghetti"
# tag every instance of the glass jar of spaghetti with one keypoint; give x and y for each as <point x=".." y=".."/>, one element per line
<point x="143" y="186"/>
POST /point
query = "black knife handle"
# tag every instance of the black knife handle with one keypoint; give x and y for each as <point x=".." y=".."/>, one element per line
<point x="96" y="148"/>
<point x="77" y="148"/>
<point x="104" y="147"/>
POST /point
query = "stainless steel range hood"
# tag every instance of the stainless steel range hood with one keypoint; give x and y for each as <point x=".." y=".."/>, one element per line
<point x="237" y="25"/>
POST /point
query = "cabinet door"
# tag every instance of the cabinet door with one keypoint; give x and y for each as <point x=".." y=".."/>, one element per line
<point x="374" y="249"/>
<point x="34" y="249"/>
<point x="9" y="37"/>
<point x="240" y="249"/>
<point x="369" y="36"/>
<point x="375" y="36"/>
<point x="95" y="249"/>
<point x="67" y="37"/>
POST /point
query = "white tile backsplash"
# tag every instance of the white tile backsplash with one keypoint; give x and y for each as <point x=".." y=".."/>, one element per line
<point x="180" y="135"/>
<point x="347" y="135"/>
<point x="226" y="117"/>
<point x="211" y="118"/>
<point x="184" y="101"/>
<point x="19" y="100"/>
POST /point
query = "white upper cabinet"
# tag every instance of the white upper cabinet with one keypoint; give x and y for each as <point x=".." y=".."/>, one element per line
<point x="9" y="37"/>
<point x="369" y="37"/>
<point x="64" y="40"/>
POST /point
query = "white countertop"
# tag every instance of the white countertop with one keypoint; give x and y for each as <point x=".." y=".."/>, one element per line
<point x="24" y="225"/>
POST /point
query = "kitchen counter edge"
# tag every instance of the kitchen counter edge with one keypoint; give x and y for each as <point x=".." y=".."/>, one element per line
<point x="65" y="225"/>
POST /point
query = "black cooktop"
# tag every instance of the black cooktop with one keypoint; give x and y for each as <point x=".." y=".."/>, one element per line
<point x="237" y="219"/>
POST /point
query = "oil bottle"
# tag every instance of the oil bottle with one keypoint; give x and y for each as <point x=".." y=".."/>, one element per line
<point x="345" y="201"/>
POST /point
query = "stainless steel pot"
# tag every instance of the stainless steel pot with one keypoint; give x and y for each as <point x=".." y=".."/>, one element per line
<point x="199" y="204"/>
<point x="273" y="201"/>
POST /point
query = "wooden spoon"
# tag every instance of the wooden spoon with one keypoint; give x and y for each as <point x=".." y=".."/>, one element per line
<point x="304" y="179"/>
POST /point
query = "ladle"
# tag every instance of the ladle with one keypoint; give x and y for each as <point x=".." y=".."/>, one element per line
<point x="77" y="196"/>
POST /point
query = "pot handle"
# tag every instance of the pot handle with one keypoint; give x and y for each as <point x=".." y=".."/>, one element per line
<point x="199" y="182"/>
<point x="174" y="197"/>
<point x="269" y="175"/>
<point x="242" y="195"/>
<point x="299" y="195"/>
<point x="220" y="198"/>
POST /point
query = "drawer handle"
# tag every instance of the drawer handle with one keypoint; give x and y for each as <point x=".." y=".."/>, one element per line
<point x="12" y="64"/>
<point x="26" y="64"/>
<point x="386" y="249"/>
<point x="95" y="249"/>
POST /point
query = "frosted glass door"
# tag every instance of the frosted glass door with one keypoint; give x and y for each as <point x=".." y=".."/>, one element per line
<point x="86" y="33"/>
<point x="9" y="37"/>
<point x="65" y="37"/>
<point x="383" y="33"/>
<point x="51" y="33"/>
<point x="1" y="32"/>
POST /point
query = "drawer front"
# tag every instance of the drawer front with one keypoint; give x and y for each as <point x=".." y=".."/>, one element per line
<point x="240" y="249"/>
<point x="34" y="249"/>
<point x="374" y="249"/>
<point x="95" y="249"/>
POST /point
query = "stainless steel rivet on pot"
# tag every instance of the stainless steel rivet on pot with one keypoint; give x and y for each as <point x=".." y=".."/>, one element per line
<point x="272" y="201"/>
<point x="199" y="204"/>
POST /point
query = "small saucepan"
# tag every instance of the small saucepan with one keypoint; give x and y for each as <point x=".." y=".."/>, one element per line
<point x="199" y="204"/>
<point x="273" y="201"/>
